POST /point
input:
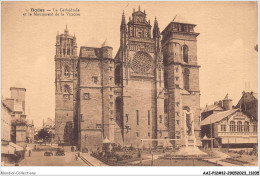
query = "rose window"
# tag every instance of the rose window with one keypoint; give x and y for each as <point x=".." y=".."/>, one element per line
<point x="141" y="62"/>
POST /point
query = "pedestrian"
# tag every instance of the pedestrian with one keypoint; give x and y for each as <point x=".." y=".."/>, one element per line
<point x="78" y="154"/>
<point x="29" y="153"/>
<point x="76" y="157"/>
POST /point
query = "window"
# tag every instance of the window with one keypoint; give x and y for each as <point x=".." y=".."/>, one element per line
<point x="98" y="126"/>
<point x="118" y="75"/>
<point x="137" y="117"/>
<point x="110" y="96"/>
<point x="254" y="128"/>
<point x="165" y="105"/>
<point x="160" y="117"/>
<point x="177" y="113"/>
<point x="86" y="96"/>
<point x="223" y="127"/>
<point x="110" y="68"/>
<point x="232" y="126"/>
<point x="111" y="89"/>
<point x="95" y="79"/>
<point x="66" y="72"/>
<point x="110" y="78"/>
<point x="185" y="53"/>
<point x="246" y="127"/>
<point x="67" y="89"/>
<point x="137" y="134"/>
<point x="148" y="117"/>
<point x="178" y="122"/>
<point x="186" y="77"/>
<point x="177" y="78"/>
<point x="126" y="117"/>
<point x="81" y="117"/>
<point x="148" y="133"/>
<point x="239" y="126"/>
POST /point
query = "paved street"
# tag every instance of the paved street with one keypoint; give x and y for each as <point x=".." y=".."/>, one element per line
<point x="38" y="159"/>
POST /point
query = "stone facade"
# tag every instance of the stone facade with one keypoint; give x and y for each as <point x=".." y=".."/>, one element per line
<point x="179" y="48"/>
<point x="66" y="80"/>
<point x="139" y="94"/>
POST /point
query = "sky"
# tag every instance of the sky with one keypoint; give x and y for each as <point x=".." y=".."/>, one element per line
<point x="228" y="35"/>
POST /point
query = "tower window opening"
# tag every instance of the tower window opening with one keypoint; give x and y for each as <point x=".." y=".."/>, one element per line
<point x="66" y="72"/>
<point x="137" y="117"/>
<point x="95" y="79"/>
<point x="186" y="77"/>
<point x="148" y="117"/>
<point x="185" y="53"/>
<point x="160" y="118"/>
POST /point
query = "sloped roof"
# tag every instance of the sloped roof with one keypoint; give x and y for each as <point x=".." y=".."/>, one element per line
<point x="180" y="19"/>
<point x="92" y="42"/>
<point x="212" y="107"/>
<point x="106" y="43"/>
<point x="217" y="117"/>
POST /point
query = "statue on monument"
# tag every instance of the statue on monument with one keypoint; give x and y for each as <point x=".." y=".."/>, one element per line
<point x="189" y="123"/>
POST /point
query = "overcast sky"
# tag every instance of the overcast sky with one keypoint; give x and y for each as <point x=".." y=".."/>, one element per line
<point x="228" y="34"/>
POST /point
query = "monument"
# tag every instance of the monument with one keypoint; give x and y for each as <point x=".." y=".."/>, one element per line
<point x="189" y="148"/>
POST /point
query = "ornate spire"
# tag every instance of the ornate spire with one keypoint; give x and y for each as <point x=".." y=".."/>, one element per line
<point x="156" y="30"/>
<point x="66" y="31"/>
<point x="123" y="24"/>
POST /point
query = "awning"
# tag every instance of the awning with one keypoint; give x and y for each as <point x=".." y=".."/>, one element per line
<point x="17" y="147"/>
<point x="7" y="149"/>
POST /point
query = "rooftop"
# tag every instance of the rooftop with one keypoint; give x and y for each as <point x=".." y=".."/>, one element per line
<point x="217" y="117"/>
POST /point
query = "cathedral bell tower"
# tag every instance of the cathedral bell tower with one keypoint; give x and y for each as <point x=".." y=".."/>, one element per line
<point x="179" y="47"/>
<point x="66" y="79"/>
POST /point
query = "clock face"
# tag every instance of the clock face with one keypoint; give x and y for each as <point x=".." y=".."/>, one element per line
<point x="141" y="63"/>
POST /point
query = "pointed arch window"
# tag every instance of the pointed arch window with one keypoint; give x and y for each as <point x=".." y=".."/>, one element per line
<point x="185" y="53"/>
<point x="66" y="72"/>
<point x="186" y="79"/>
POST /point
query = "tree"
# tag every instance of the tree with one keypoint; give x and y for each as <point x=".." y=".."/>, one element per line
<point x="44" y="135"/>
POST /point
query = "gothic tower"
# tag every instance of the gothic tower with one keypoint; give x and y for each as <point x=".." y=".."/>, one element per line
<point x="139" y="79"/>
<point x="66" y="79"/>
<point x="179" y="47"/>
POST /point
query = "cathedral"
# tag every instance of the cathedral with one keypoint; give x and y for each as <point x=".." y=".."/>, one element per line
<point x="137" y="98"/>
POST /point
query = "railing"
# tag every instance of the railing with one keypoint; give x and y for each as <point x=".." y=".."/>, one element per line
<point x="237" y="133"/>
